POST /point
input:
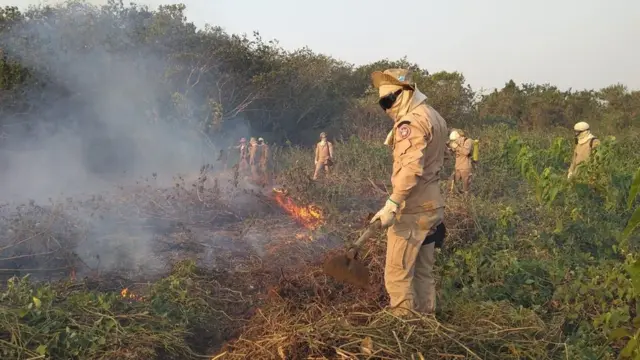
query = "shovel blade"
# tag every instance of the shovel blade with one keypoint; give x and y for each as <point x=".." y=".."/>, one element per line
<point x="347" y="270"/>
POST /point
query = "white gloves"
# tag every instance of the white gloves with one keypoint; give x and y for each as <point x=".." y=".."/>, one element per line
<point x="454" y="144"/>
<point x="387" y="214"/>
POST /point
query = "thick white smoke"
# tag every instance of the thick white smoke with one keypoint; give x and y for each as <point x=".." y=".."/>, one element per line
<point x="94" y="125"/>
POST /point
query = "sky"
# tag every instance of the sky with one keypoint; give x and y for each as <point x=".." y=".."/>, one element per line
<point x="578" y="44"/>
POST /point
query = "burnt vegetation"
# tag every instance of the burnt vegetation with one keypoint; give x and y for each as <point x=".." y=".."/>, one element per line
<point x="535" y="266"/>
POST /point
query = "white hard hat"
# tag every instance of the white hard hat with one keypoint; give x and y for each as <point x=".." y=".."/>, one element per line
<point x="260" y="139"/>
<point x="581" y="126"/>
<point x="454" y="135"/>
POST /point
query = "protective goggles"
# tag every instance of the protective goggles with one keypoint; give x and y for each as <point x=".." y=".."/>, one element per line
<point x="387" y="101"/>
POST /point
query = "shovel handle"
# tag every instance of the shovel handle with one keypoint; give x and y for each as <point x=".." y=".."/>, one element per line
<point x="370" y="230"/>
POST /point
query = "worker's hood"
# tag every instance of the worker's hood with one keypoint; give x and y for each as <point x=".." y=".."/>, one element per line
<point x="406" y="101"/>
<point x="584" y="136"/>
<point x="389" y="140"/>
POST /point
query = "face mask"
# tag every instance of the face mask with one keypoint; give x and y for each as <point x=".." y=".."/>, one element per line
<point x="386" y="102"/>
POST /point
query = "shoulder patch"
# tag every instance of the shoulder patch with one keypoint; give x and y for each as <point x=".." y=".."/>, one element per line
<point x="404" y="130"/>
<point x="403" y="122"/>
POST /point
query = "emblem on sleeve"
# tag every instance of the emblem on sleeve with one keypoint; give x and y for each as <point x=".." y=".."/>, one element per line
<point x="404" y="131"/>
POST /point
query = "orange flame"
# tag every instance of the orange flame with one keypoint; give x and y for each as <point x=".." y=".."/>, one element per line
<point x="125" y="293"/>
<point x="309" y="216"/>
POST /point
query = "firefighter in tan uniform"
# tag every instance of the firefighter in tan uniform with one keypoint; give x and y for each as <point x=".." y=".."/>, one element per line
<point x="585" y="143"/>
<point x="243" y="150"/>
<point x="324" y="155"/>
<point x="462" y="147"/>
<point x="254" y="158"/>
<point x="264" y="161"/>
<point x="416" y="207"/>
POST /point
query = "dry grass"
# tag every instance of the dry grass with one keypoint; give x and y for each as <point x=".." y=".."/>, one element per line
<point x="308" y="316"/>
<point x="263" y="291"/>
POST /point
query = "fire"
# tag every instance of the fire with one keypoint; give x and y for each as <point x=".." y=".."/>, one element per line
<point x="309" y="216"/>
<point x="125" y="293"/>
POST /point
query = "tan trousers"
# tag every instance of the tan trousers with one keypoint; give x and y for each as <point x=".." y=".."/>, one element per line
<point x="464" y="177"/>
<point x="408" y="272"/>
<point x="321" y="164"/>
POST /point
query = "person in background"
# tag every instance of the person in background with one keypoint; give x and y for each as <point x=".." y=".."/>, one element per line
<point x="243" y="156"/>
<point x="585" y="143"/>
<point x="462" y="147"/>
<point x="324" y="156"/>
<point x="264" y="161"/>
<point x="254" y="157"/>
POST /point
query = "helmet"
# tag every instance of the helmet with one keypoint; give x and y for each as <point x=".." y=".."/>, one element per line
<point x="581" y="126"/>
<point x="252" y="140"/>
<point x="454" y="135"/>
<point x="323" y="134"/>
<point x="243" y="140"/>
<point x="260" y="139"/>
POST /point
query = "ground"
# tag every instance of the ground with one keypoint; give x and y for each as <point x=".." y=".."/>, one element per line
<point x="214" y="266"/>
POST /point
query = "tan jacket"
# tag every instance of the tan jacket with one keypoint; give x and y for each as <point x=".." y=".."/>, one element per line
<point x="418" y="155"/>
<point x="583" y="151"/>
<point x="324" y="152"/>
<point x="264" y="158"/>
<point x="255" y="154"/>
<point x="463" y="154"/>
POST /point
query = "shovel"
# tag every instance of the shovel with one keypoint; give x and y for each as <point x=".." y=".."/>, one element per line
<point x="346" y="267"/>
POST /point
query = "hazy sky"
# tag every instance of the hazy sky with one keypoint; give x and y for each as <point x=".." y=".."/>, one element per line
<point x="569" y="43"/>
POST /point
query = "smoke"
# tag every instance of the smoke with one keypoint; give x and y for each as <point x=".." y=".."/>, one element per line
<point x="104" y="130"/>
<point x="94" y="123"/>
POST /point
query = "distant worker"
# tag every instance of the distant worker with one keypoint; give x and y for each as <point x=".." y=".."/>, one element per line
<point x="243" y="155"/>
<point x="324" y="155"/>
<point x="585" y="143"/>
<point x="264" y="161"/>
<point x="462" y="147"/>
<point x="254" y="158"/>
<point x="415" y="209"/>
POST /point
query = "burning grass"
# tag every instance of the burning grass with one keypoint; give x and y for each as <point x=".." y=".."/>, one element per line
<point x="99" y="304"/>
<point x="310" y="216"/>
<point x="259" y="286"/>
